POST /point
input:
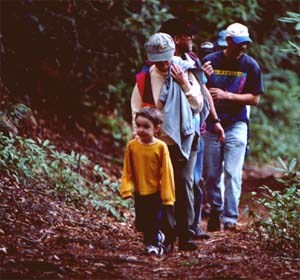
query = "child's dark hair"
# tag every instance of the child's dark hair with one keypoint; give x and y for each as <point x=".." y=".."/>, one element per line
<point x="151" y="114"/>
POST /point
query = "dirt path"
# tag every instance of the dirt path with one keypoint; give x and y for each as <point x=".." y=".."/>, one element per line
<point x="43" y="238"/>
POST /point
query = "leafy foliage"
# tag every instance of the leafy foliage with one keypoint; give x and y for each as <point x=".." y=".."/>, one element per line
<point x="80" y="57"/>
<point x="15" y="117"/>
<point x="281" y="228"/>
<point x="295" y="19"/>
<point x="276" y="118"/>
<point x="115" y="126"/>
<point x="72" y="52"/>
<point x="37" y="162"/>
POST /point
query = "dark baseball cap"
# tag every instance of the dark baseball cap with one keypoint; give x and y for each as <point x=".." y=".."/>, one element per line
<point x="177" y="26"/>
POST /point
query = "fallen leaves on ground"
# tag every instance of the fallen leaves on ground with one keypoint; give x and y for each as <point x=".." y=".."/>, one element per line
<point x="43" y="237"/>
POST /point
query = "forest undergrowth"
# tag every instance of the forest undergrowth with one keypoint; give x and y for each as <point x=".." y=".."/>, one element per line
<point x="46" y="233"/>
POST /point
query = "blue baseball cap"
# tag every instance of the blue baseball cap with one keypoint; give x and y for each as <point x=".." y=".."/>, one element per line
<point x="221" y="41"/>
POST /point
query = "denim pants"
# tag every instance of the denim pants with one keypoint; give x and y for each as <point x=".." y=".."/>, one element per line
<point x="198" y="193"/>
<point x="232" y="154"/>
<point x="184" y="180"/>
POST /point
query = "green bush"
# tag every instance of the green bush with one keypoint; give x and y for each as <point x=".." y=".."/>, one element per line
<point x="13" y="117"/>
<point x="275" y="125"/>
<point x="280" y="228"/>
<point x="293" y="18"/>
<point x="30" y="162"/>
<point x="115" y="126"/>
<point x="71" y="51"/>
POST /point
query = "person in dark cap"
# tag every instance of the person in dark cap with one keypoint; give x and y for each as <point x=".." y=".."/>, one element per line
<point x="177" y="26"/>
<point x="183" y="35"/>
<point x="236" y="83"/>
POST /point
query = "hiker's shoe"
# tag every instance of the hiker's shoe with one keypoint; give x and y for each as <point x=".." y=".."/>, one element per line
<point x="230" y="226"/>
<point x="153" y="250"/>
<point x="150" y="249"/>
<point x="160" y="251"/>
<point x="160" y="237"/>
<point x="187" y="245"/>
<point x="214" y="222"/>
<point x="198" y="233"/>
<point x="206" y="209"/>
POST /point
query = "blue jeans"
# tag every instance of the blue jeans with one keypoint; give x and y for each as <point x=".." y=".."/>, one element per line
<point x="184" y="180"/>
<point x="232" y="153"/>
<point x="198" y="193"/>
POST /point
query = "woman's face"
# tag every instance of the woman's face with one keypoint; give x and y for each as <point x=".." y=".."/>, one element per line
<point x="163" y="66"/>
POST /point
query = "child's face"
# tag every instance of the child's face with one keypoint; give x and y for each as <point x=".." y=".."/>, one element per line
<point x="145" y="129"/>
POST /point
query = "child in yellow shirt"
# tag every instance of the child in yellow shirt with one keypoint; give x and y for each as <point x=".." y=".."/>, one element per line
<point x="148" y="176"/>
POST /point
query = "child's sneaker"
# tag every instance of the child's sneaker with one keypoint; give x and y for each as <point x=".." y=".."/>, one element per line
<point x="158" y="251"/>
<point x="150" y="249"/>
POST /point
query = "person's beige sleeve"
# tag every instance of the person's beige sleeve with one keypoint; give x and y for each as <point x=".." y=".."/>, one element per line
<point x="193" y="93"/>
<point x="136" y="105"/>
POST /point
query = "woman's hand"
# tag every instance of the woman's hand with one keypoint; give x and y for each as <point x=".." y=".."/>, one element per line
<point x="178" y="74"/>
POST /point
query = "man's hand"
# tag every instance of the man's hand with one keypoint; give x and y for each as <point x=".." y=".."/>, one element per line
<point x="220" y="132"/>
<point x="207" y="68"/>
<point x="218" y="94"/>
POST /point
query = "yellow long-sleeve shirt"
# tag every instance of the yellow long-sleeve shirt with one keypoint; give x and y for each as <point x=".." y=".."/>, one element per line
<point x="147" y="170"/>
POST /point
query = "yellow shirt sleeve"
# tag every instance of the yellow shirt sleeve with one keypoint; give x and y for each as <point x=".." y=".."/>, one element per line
<point x="127" y="183"/>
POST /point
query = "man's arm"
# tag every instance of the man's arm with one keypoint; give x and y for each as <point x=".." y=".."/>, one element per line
<point x="242" y="99"/>
<point x="214" y="116"/>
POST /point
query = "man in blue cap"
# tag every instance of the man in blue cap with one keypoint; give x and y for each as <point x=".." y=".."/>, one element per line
<point x="221" y="43"/>
<point x="217" y="45"/>
<point x="235" y="83"/>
